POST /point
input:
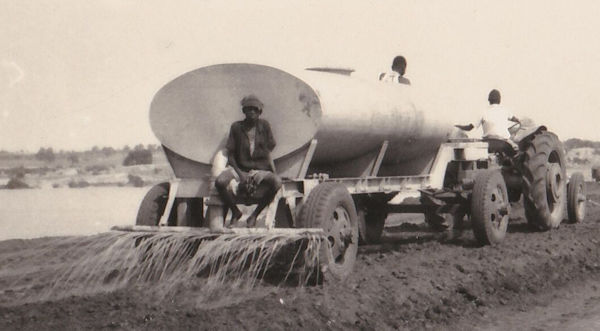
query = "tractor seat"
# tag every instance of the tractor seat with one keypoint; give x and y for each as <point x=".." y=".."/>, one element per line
<point x="497" y="145"/>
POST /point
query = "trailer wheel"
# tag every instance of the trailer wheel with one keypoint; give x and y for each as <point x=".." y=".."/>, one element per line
<point x="576" y="198"/>
<point x="371" y="221"/>
<point x="544" y="181"/>
<point x="153" y="205"/>
<point x="490" y="208"/>
<point x="329" y="206"/>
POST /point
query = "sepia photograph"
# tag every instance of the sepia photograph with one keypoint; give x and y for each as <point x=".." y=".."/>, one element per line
<point x="299" y="165"/>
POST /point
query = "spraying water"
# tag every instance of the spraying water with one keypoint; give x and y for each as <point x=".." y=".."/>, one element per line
<point x="215" y="267"/>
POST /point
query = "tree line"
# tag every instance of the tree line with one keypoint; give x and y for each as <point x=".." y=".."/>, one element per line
<point x="139" y="154"/>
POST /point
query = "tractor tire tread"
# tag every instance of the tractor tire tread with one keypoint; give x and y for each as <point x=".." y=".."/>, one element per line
<point x="538" y="150"/>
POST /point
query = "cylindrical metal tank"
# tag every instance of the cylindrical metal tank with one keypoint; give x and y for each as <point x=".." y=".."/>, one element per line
<point x="349" y="117"/>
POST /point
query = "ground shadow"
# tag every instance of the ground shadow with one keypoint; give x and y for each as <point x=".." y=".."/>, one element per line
<point x="397" y="237"/>
<point x="520" y="226"/>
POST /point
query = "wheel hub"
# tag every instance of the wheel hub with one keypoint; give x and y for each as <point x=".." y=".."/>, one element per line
<point x="501" y="210"/>
<point x="554" y="181"/>
<point x="340" y="232"/>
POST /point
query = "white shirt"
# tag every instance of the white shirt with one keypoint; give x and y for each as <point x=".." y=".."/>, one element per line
<point x="393" y="77"/>
<point x="495" y="122"/>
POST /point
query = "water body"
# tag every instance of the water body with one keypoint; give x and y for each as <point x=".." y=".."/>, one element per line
<point x="32" y="213"/>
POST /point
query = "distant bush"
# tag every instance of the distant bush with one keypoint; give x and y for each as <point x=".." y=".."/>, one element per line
<point x="108" y="151"/>
<point x="46" y="154"/>
<point x="580" y="143"/>
<point x="78" y="184"/>
<point x="136" y="181"/>
<point x="97" y="169"/>
<point x="73" y="158"/>
<point x="577" y="160"/>
<point x="16" y="183"/>
<point x="136" y="157"/>
<point x="17" y="172"/>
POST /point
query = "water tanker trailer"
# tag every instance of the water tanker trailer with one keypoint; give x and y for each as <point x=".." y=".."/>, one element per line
<point x="345" y="148"/>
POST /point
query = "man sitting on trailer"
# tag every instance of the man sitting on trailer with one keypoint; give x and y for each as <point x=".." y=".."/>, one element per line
<point x="496" y="122"/>
<point x="398" y="71"/>
<point x="249" y="148"/>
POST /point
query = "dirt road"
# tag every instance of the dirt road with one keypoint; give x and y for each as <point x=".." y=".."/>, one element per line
<point x="414" y="280"/>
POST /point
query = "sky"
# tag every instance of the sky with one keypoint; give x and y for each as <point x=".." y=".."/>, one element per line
<point x="75" y="74"/>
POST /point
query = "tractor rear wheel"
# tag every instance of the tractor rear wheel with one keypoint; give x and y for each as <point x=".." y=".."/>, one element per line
<point x="576" y="198"/>
<point x="490" y="207"/>
<point x="153" y="205"/>
<point x="544" y="181"/>
<point x="330" y="206"/>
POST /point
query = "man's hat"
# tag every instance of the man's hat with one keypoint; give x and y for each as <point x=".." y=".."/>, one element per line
<point x="252" y="101"/>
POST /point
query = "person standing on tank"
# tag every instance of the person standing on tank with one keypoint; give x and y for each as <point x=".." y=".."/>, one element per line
<point x="251" y="167"/>
<point x="398" y="71"/>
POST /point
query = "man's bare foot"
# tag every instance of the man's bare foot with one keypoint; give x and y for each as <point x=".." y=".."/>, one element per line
<point x="251" y="221"/>
<point x="235" y="219"/>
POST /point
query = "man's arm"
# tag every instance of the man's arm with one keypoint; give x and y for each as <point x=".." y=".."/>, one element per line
<point x="514" y="119"/>
<point x="269" y="137"/>
<point x="231" y="153"/>
<point x="270" y="145"/>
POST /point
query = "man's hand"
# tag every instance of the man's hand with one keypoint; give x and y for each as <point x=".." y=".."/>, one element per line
<point x="243" y="176"/>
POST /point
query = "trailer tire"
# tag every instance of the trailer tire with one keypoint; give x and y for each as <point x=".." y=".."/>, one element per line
<point x="153" y="205"/>
<point x="576" y="198"/>
<point x="544" y="181"/>
<point x="490" y="208"/>
<point x="330" y="206"/>
<point x="371" y="221"/>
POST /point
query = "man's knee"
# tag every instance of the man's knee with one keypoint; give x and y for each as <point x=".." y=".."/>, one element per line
<point x="222" y="181"/>
<point x="274" y="182"/>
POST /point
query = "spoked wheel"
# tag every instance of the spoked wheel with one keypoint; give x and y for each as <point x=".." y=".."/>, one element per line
<point x="339" y="233"/>
<point x="576" y="197"/>
<point x="330" y="207"/>
<point x="544" y="181"/>
<point x="490" y="208"/>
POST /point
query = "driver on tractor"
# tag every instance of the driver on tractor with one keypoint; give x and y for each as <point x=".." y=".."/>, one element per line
<point x="496" y="123"/>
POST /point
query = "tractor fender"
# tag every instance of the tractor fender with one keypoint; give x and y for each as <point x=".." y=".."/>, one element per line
<point x="527" y="132"/>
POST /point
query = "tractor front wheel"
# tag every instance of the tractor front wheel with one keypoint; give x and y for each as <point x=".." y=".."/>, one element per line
<point x="576" y="197"/>
<point x="490" y="208"/>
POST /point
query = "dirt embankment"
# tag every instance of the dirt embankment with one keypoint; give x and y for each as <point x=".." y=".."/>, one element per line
<point x="414" y="280"/>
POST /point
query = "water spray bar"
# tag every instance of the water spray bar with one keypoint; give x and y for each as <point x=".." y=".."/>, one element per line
<point x="181" y="229"/>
